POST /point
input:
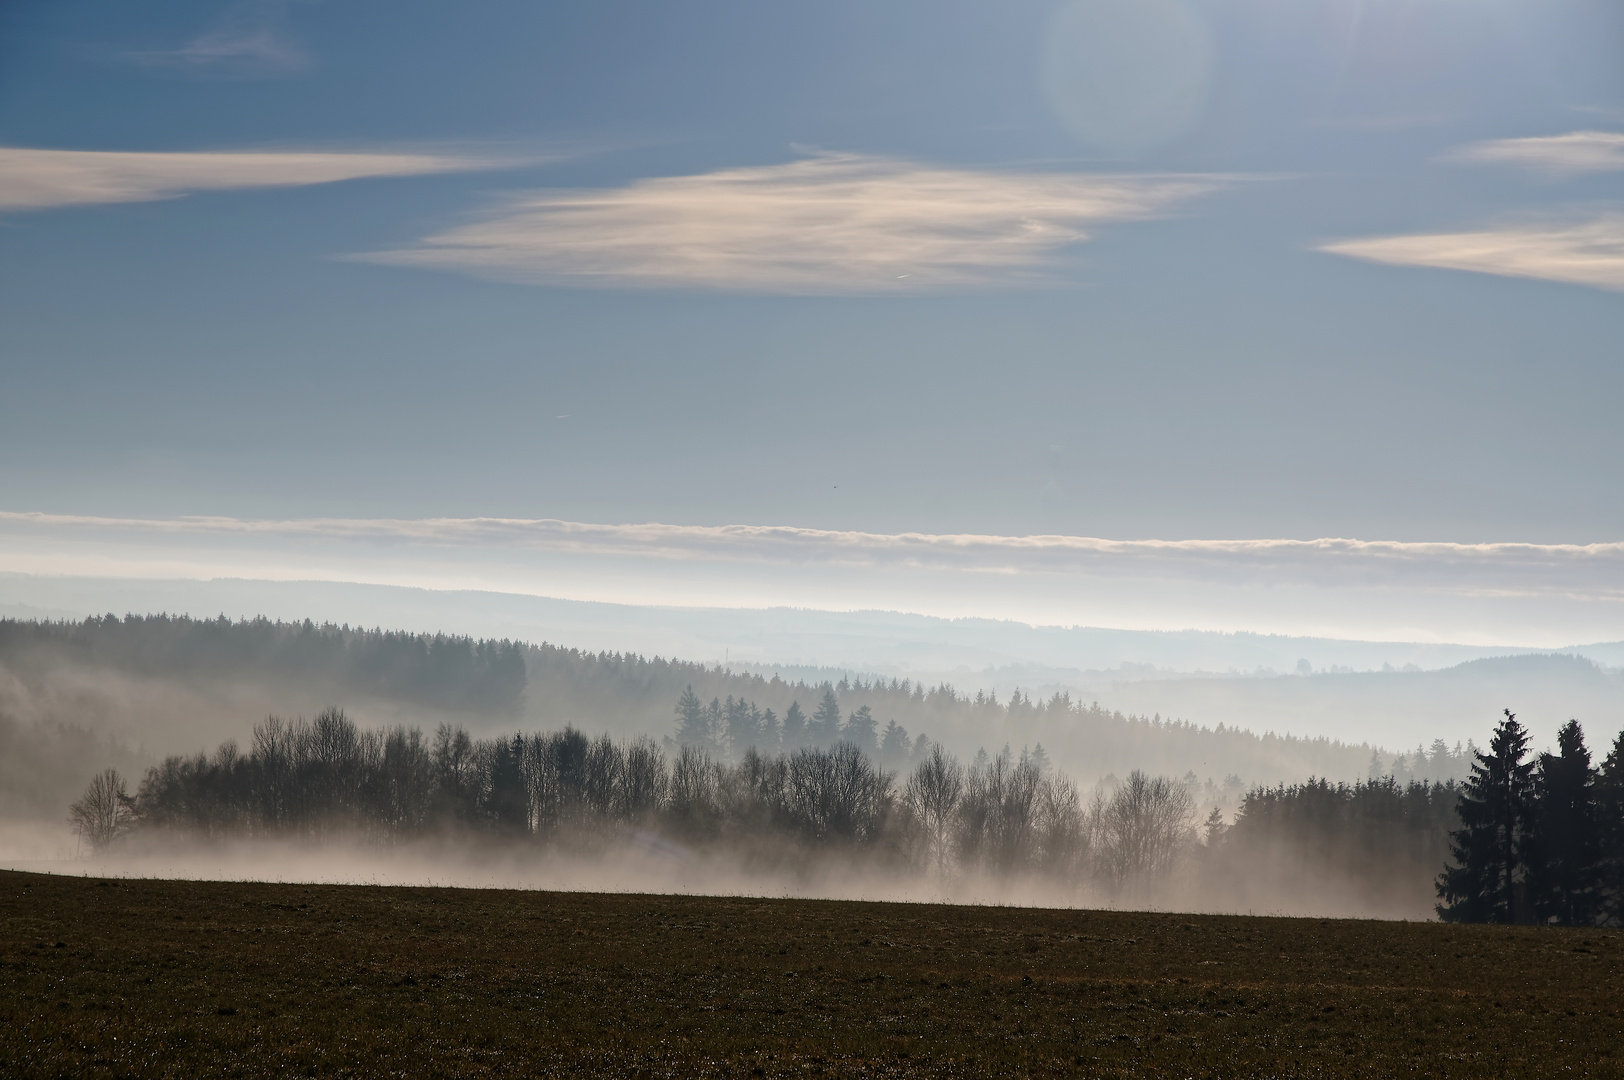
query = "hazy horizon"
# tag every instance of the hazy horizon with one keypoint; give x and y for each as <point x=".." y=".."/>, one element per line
<point x="1224" y="391"/>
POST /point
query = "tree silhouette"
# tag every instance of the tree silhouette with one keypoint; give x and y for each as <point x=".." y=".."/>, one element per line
<point x="1488" y="881"/>
<point x="1609" y="801"/>
<point x="1563" y="855"/>
<point x="824" y="729"/>
<point x="104" y="811"/>
<point x="692" y="728"/>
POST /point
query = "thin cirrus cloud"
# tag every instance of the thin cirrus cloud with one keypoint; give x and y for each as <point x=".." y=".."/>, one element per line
<point x="830" y="223"/>
<point x="1589" y="252"/>
<point x="35" y="179"/>
<point x="256" y="50"/>
<point x="1577" y="251"/>
<point x="247" y="39"/>
<point x="1594" y="572"/>
<point x="1574" y="153"/>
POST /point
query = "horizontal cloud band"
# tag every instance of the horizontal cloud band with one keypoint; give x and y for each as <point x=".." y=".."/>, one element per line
<point x="32" y="179"/>
<point x="833" y="223"/>
<point x="1572" y="154"/>
<point x="1589" y="572"/>
<point x="1587" y="253"/>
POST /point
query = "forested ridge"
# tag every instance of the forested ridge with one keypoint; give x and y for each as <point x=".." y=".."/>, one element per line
<point x="490" y="684"/>
<point x="440" y="670"/>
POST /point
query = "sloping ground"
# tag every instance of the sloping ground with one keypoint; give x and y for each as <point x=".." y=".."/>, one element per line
<point x="157" y="978"/>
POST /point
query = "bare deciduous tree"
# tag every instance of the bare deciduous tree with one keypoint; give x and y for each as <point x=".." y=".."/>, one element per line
<point x="104" y="811"/>
<point x="933" y="793"/>
<point x="1142" y="829"/>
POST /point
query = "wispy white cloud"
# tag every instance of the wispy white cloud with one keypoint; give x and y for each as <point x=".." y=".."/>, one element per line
<point x="1594" y="571"/>
<point x="831" y="223"/>
<point x="1583" y="253"/>
<point x="1560" y="155"/>
<point x="33" y="179"/>
<point x="262" y="49"/>
<point x="247" y="40"/>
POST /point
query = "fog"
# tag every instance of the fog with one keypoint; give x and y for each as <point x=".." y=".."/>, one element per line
<point x="478" y="764"/>
<point x="1353" y="691"/>
<point x="643" y="864"/>
<point x="326" y="800"/>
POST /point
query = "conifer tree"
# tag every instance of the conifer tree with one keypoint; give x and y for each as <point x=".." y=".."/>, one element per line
<point x="825" y="725"/>
<point x="894" y="745"/>
<point x="742" y="723"/>
<point x="1609" y="802"/>
<point x="794" y="727"/>
<point x="507" y="804"/>
<point x="861" y="729"/>
<point x="1563" y="853"/>
<point x="692" y="730"/>
<point x="1487" y="882"/>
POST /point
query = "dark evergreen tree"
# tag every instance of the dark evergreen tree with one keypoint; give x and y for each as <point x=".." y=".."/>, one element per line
<point x="860" y="731"/>
<point x="692" y="730"/>
<point x="742" y="722"/>
<point x="507" y="804"/>
<point x="824" y="730"/>
<point x="1563" y="853"/>
<point x="1487" y="882"/>
<point x="794" y="727"/>
<point x="894" y="746"/>
<point x="1609" y="802"/>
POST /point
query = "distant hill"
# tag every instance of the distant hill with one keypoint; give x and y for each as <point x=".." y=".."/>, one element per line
<point x="1402" y="708"/>
<point x="171" y="684"/>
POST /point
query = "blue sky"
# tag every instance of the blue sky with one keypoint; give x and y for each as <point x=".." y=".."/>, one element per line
<point x="1215" y="269"/>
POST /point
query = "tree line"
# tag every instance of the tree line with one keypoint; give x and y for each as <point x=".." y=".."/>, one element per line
<point x="738" y="775"/>
<point x="1541" y="838"/>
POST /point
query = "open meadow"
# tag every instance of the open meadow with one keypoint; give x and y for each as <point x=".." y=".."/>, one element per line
<point x="145" y="978"/>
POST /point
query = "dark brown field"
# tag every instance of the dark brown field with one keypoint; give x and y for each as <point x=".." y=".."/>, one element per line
<point x="188" y="979"/>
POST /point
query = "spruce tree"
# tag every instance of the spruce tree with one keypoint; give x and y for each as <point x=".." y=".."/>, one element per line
<point x="794" y="727"/>
<point x="1487" y="882"/>
<point x="692" y="729"/>
<point x="1609" y="796"/>
<point x="825" y="726"/>
<point x="508" y="805"/>
<point x="1563" y="853"/>
<point x="861" y="731"/>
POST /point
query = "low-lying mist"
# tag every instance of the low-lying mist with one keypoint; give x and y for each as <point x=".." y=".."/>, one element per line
<point x="327" y="801"/>
<point x="643" y="864"/>
<point x="125" y="692"/>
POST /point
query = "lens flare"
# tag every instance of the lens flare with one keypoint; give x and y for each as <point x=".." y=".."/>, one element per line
<point x="1126" y="76"/>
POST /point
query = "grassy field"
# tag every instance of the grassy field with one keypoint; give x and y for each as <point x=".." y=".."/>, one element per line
<point x="188" y="979"/>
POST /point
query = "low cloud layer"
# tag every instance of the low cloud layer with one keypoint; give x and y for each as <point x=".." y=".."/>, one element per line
<point x="1583" y="253"/>
<point x="833" y="223"/>
<point x="1590" y="571"/>
<point x="1560" y="155"/>
<point x="32" y="179"/>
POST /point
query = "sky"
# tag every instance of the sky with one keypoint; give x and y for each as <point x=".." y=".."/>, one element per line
<point x="1234" y="273"/>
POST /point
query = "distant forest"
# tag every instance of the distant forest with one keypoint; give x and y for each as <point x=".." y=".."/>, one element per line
<point x="1523" y="840"/>
<point x="439" y="670"/>
<point x="490" y="685"/>
<point x="1011" y="819"/>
